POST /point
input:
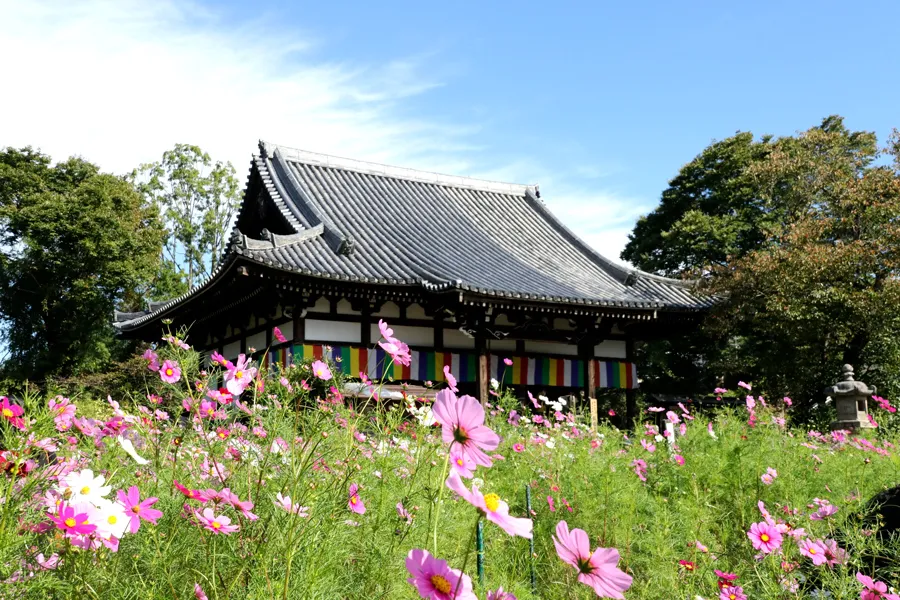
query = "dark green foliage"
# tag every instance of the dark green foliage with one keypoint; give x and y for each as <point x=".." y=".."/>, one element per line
<point x="76" y="243"/>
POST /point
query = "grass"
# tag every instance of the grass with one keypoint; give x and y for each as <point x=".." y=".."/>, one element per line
<point x="313" y="450"/>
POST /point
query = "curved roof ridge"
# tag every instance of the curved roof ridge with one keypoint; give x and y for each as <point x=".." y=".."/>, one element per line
<point x="615" y="269"/>
<point x="374" y="168"/>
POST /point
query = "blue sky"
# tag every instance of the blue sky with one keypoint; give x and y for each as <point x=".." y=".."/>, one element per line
<point x="600" y="103"/>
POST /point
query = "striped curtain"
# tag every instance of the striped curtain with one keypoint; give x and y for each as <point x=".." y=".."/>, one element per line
<point x="615" y="374"/>
<point x="424" y="365"/>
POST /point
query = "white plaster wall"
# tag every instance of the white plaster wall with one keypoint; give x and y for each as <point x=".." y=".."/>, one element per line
<point x="414" y="311"/>
<point x="503" y="345"/>
<point x="412" y="336"/>
<point x="550" y="348"/>
<point x="231" y="351"/>
<point x="610" y="349"/>
<point x="344" y="308"/>
<point x="257" y="341"/>
<point x="322" y="305"/>
<point x="332" y="331"/>
<point x="454" y="338"/>
<point x="389" y="309"/>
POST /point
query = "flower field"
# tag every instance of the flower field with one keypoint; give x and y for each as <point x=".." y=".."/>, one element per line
<point x="232" y="482"/>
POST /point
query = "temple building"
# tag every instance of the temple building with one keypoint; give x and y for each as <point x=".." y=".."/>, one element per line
<point x="467" y="272"/>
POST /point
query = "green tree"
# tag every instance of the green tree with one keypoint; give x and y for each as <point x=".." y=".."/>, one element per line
<point x="76" y="243"/>
<point x="823" y="289"/>
<point x="198" y="199"/>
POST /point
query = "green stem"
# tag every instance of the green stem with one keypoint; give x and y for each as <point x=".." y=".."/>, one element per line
<point x="466" y="557"/>
<point x="437" y="508"/>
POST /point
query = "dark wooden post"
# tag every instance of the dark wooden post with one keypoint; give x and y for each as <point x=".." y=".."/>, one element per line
<point x="586" y="355"/>
<point x="484" y="378"/>
<point x="630" y="393"/>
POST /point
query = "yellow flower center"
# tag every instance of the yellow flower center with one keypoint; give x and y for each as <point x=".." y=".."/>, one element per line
<point x="70" y="522"/>
<point x="732" y="597"/>
<point x="440" y="584"/>
<point x="459" y="461"/>
<point x="169" y="372"/>
<point x="112" y="520"/>
<point x="492" y="501"/>
<point x="216" y="525"/>
<point x="85" y="491"/>
<point x="353" y="500"/>
<point x="764" y="537"/>
<point x="7" y="413"/>
<point x="239" y="375"/>
<point x="136" y="508"/>
<point x="812" y="550"/>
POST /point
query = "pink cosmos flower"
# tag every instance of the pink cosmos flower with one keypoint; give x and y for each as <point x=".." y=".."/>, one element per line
<point x="834" y="554"/>
<point x="462" y="424"/>
<point x="656" y="409"/>
<point x="152" y="359"/>
<point x="788" y="401"/>
<point x="216" y="524"/>
<point x="170" y="372"/>
<point x="285" y="503"/>
<point x="397" y="350"/>
<point x="732" y="592"/>
<point x="239" y="376"/>
<point x="673" y="417"/>
<point x="814" y="550"/>
<point x="493" y="508"/>
<point x="72" y="523"/>
<point x="278" y="335"/>
<point x="611" y="413"/>
<point x="404" y="514"/>
<point x="825" y="510"/>
<point x="746" y="386"/>
<point x="199" y="593"/>
<point x="769" y="476"/>
<point x="765" y="537"/>
<point x="598" y="569"/>
<point x="321" y="370"/>
<point x="679" y="459"/>
<point x="354" y="502"/>
<point x="551" y="503"/>
<point x="435" y="580"/>
<point x="648" y="446"/>
<point x="12" y="413"/>
<point x="518" y="447"/>
<point x="508" y="362"/>
<point x="451" y="380"/>
<point x="501" y="595"/>
<point x="220" y="360"/>
<point x="461" y="462"/>
<point x="138" y="509"/>
<point x="513" y="418"/>
<point x="874" y="590"/>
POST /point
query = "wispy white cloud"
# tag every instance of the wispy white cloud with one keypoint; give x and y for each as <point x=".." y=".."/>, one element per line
<point x="120" y="81"/>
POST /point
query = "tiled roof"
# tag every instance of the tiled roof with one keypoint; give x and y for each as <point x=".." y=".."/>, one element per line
<point x="370" y="223"/>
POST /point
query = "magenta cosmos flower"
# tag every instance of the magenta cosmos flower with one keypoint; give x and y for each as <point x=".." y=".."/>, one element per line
<point x="451" y="380"/>
<point x="501" y="595"/>
<point x="71" y="522"/>
<point x="765" y="537"/>
<point x="398" y="351"/>
<point x="874" y="590"/>
<point x="279" y="336"/>
<point x="462" y="423"/>
<point x="138" y="509"/>
<point x="598" y="569"/>
<point x="354" y="502"/>
<point x="239" y="376"/>
<point x="814" y="550"/>
<point x="170" y="372"/>
<point x="216" y="524"/>
<point x="732" y="592"/>
<point x="462" y="463"/>
<point x="12" y="413"/>
<point x="495" y="509"/>
<point x="435" y="580"/>
<point x="321" y="370"/>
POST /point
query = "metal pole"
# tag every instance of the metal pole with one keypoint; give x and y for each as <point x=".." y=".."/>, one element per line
<point x="479" y="551"/>
<point x="530" y="541"/>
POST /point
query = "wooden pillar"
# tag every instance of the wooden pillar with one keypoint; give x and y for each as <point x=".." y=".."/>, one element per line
<point x="631" y="393"/>
<point x="484" y="377"/>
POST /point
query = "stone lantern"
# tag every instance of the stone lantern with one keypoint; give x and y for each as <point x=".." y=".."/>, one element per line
<point x="851" y="398"/>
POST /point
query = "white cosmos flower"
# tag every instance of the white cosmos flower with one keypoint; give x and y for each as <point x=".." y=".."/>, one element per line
<point x="562" y="401"/>
<point x="494" y="383"/>
<point x="110" y="519"/>
<point x="550" y="444"/>
<point x="84" y="486"/>
<point x="128" y="447"/>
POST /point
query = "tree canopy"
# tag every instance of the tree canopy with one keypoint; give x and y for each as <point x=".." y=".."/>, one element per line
<point x="76" y="243"/>
<point x="799" y="237"/>
<point x="198" y="199"/>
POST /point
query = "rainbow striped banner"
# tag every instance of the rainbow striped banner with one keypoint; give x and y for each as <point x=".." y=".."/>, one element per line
<point x="424" y="365"/>
<point x="282" y="356"/>
<point x="615" y="374"/>
<point x="539" y="370"/>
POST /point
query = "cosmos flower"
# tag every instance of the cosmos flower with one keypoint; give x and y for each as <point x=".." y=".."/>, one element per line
<point x="70" y="522"/>
<point x="451" y="380"/>
<point x="732" y="592"/>
<point x="138" y="509"/>
<point x="769" y="476"/>
<point x="354" y="502"/>
<point x="461" y="462"/>
<point x="321" y="370"/>
<point x="278" y="335"/>
<point x="170" y="372"/>
<point x="84" y="486"/>
<point x="462" y="425"/>
<point x="874" y="590"/>
<point x="12" y="413"/>
<point x="765" y="537"/>
<point x="493" y="508"/>
<point x="597" y="570"/>
<point x="217" y="524"/>
<point x="435" y="580"/>
<point x="499" y="594"/>
<point x="814" y="550"/>
<point x="285" y="503"/>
